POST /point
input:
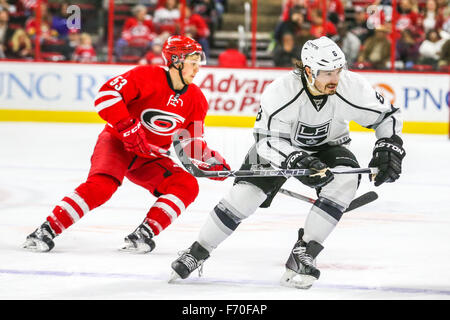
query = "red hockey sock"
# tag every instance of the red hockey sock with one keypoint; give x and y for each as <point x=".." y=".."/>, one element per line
<point x="94" y="192"/>
<point x="165" y="210"/>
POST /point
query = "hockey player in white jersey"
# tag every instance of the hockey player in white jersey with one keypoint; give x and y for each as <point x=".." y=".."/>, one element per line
<point x="303" y="123"/>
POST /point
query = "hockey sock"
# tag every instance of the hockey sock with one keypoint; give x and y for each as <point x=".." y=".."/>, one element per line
<point x="165" y="210"/>
<point x="321" y="220"/>
<point x="242" y="200"/>
<point x="94" y="192"/>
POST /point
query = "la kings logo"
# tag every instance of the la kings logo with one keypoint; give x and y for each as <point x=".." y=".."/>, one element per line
<point x="312" y="134"/>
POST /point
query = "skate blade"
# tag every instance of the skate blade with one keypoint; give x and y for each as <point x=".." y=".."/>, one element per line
<point x="139" y="249"/>
<point x="173" y="277"/>
<point x="294" y="280"/>
<point x="35" y="246"/>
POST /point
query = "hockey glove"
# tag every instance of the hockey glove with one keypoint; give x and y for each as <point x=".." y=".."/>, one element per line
<point x="388" y="154"/>
<point x="133" y="137"/>
<point x="301" y="160"/>
<point x="216" y="163"/>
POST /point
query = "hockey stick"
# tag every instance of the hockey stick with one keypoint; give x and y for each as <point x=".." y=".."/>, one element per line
<point x="356" y="203"/>
<point x="199" y="173"/>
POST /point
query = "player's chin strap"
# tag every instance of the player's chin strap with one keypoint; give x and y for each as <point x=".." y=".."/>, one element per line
<point x="180" y="73"/>
<point x="199" y="173"/>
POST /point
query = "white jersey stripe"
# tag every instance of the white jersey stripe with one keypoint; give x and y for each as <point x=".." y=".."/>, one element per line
<point x="107" y="103"/>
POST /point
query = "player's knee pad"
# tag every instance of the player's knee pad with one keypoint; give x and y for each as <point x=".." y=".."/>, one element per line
<point x="97" y="189"/>
<point x="341" y="190"/>
<point x="241" y="201"/>
<point x="182" y="185"/>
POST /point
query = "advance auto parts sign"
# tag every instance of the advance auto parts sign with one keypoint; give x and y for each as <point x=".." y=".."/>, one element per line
<point x="234" y="91"/>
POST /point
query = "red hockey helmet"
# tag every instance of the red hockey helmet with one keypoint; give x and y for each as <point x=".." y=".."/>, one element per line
<point x="177" y="48"/>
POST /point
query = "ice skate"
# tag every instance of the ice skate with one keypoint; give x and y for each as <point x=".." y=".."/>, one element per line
<point x="41" y="240"/>
<point x="140" y="240"/>
<point x="188" y="261"/>
<point x="301" y="271"/>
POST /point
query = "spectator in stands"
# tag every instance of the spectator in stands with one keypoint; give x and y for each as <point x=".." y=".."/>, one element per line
<point x="137" y="32"/>
<point x="407" y="49"/>
<point x="377" y="49"/>
<point x="154" y="56"/>
<point x="446" y="20"/>
<point x="286" y="54"/>
<point x="232" y="57"/>
<point x="5" y="33"/>
<point x="166" y="17"/>
<point x="196" y="28"/>
<point x="348" y="42"/>
<point x="207" y="10"/>
<point x="430" y="48"/>
<point x="408" y="18"/>
<point x="4" y="5"/>
<point x="319" y="27"/>
<point x="292" y="25"/>
<point x="442" y="5"/>
<point x="359" y="25"/>
<point x="304" y="35"/>
<point x="289" y="4"/>
<point x="85" y="52"/>
<point x="444" y="58"/>
<point x="59" y="20"/>
<point x="335" y="10"/>
<point x="431" y="18"/>
<point x="20" y="45"/>
<point x="47" y="33"/>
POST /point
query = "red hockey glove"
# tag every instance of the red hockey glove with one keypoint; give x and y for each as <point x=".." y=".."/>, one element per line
<point x="134" y="140"/>
<point x="216" y="163"/>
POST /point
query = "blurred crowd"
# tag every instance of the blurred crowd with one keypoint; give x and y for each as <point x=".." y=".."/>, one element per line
<point x="363" y="29"/>
<point x="140" y="28"/>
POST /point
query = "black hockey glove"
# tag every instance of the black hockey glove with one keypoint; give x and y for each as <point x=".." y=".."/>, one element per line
<point x="302" y="160"/>
<point x="388" y="154"/>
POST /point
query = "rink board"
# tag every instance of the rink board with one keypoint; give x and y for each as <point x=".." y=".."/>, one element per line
<point x="64" y="92"/>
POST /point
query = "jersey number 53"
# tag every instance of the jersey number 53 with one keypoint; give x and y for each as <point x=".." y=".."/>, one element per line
<point x="118" y="83"/>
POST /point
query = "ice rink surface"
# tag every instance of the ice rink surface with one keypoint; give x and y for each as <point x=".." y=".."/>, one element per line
<point x="397" y="247"/>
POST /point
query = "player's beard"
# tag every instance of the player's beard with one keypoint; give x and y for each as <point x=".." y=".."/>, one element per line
<point x="330" y="88"/>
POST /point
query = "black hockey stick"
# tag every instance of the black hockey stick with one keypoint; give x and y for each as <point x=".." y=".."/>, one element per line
<point x="356" y="203"/>
<point x="199" y="173"/>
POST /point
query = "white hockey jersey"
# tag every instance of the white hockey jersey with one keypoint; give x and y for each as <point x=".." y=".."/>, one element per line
<point x="291" y="119"/>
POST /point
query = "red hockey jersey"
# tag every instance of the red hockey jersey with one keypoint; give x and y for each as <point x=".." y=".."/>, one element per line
<point x="146" y="93"/>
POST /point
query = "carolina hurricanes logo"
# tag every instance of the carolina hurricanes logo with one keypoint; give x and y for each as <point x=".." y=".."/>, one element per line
<point x="161" y="122"/>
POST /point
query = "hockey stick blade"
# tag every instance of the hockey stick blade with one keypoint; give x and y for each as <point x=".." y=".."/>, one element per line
<point x="360" y="201"/>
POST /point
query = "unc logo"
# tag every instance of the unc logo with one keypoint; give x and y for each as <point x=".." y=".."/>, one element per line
<point x="160" y="122"/>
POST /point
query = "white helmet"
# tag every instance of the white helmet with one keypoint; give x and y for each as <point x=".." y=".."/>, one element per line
<point x="322" y="54"/>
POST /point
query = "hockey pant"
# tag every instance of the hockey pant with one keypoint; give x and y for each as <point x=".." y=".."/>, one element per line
<point x="247" y="194"/>
<point x="174" y="188"/>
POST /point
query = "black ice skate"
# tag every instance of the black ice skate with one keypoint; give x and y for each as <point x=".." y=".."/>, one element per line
<point x="188" y="261"/>
<point x="301" y="271"/>
<point x="41" y="240"/>
<point x="140" y="240"/>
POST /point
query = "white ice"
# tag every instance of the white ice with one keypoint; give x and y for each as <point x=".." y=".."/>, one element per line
<point x="397" y="247"/>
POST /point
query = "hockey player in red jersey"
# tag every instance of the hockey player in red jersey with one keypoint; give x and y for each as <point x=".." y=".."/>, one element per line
<point x="144" y="108"/>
